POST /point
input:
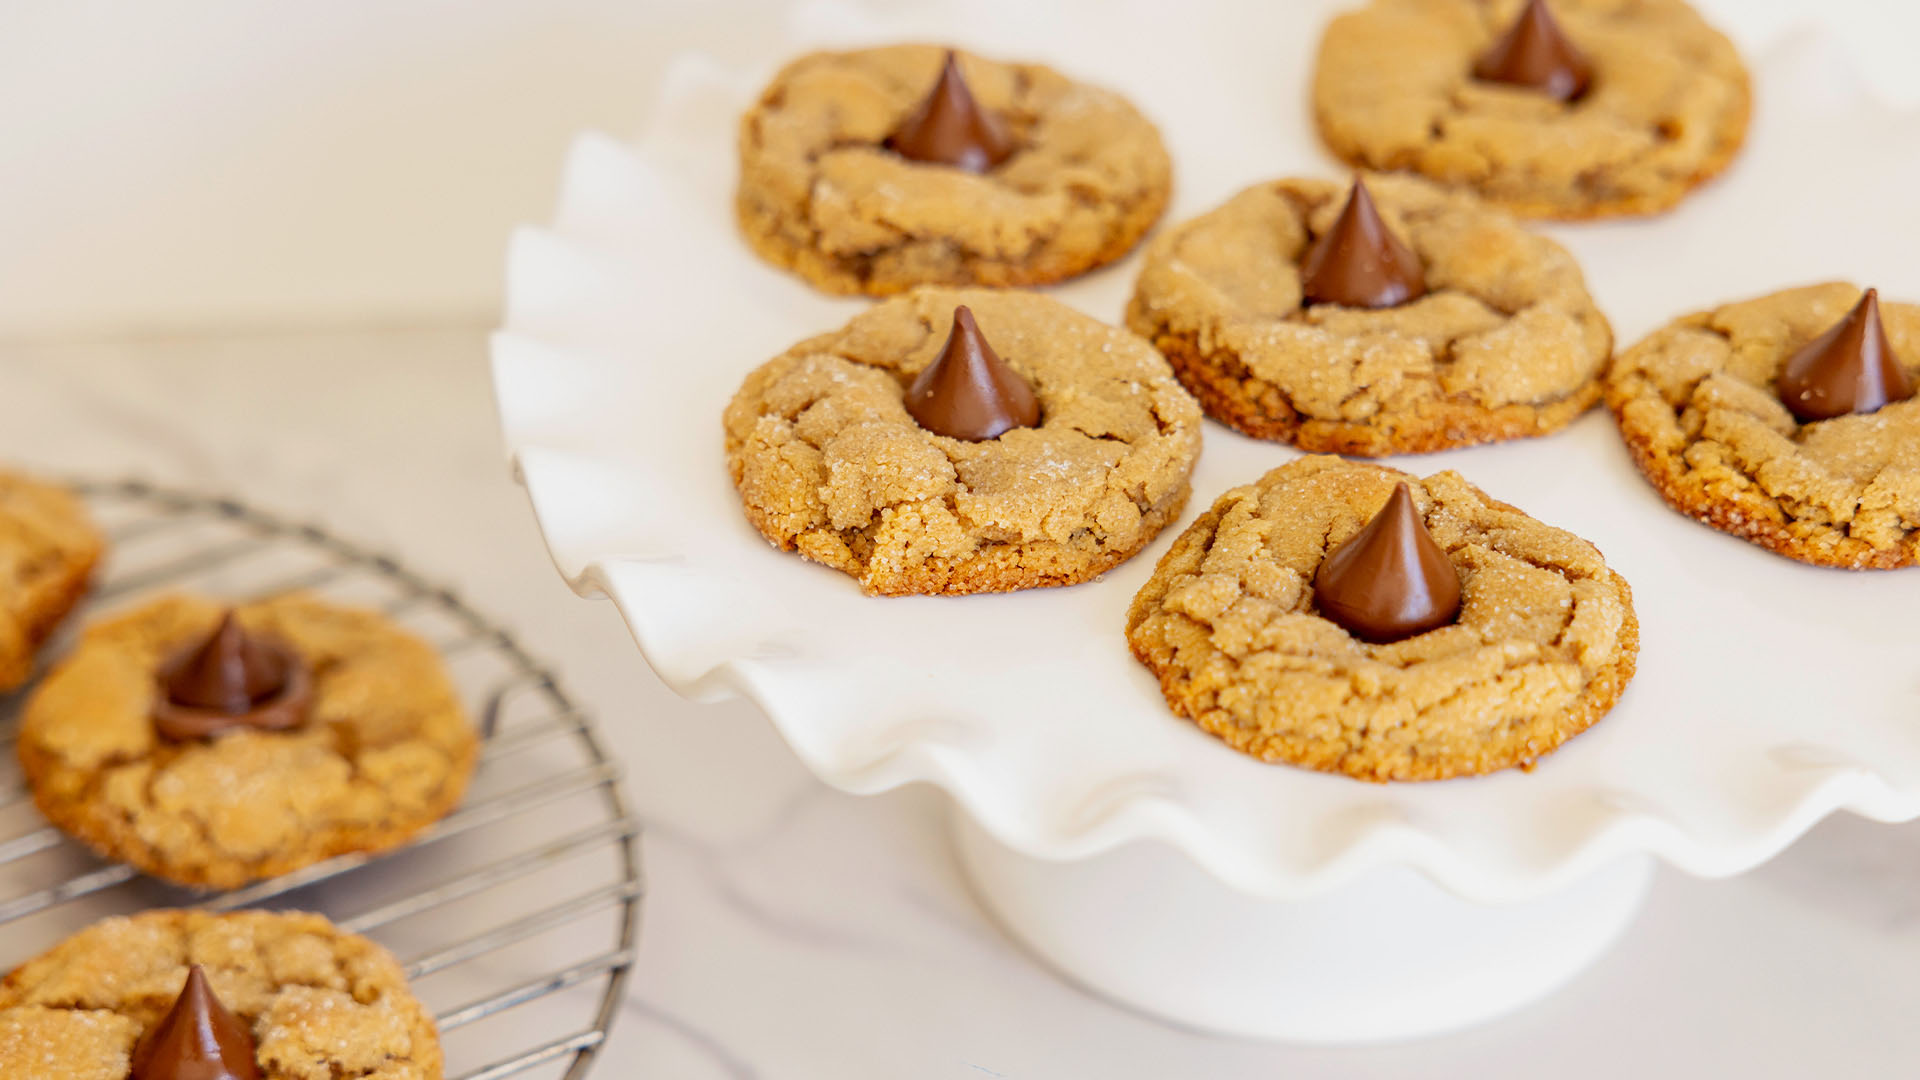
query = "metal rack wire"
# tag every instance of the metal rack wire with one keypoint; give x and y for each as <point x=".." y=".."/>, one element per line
<point x="516" y="916"/>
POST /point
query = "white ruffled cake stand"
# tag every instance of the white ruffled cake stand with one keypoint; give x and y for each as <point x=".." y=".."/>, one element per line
<point x="1133" y="852"/>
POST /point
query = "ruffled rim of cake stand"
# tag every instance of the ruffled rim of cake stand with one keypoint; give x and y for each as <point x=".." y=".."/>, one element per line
<point x="575" y="371"/>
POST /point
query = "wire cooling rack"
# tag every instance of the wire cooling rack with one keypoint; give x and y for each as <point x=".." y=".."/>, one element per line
<point x="515" y="916"/>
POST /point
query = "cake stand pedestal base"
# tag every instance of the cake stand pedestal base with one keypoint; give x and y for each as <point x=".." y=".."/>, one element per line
<point x="1388" y="956"/>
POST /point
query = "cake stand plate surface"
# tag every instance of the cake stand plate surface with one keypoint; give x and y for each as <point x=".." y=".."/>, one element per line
<point x="1769" y="694"/>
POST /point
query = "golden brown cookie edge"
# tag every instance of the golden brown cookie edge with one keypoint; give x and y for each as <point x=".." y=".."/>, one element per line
<point x="44" y="615"/>
<point x="1745" y="515"/>
<point x="115" y="840"/>
<point x="1208" y="377"/>
<point x="54" y="599"/>
<point x="758" y="225"/>
<point x="1597" y="699"/>
<point x="986" y="572"/>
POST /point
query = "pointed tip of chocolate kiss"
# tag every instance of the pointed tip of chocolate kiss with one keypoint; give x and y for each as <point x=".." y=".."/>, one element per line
<point x="228" y="638"/>
<point x="968" y="392"/>
<point x="1359" y="262"/>
<point x="1390" y="580"/>
<point x="951" y="127"/>
<point x="1536" y="53"/>
<point x="197" y="1039"/>
<point x="1850" y="368"/>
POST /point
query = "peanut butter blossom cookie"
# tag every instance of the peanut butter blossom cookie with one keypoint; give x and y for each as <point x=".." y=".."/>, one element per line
<point x="1350" y="618"/>
<point x="48" y="548"/>
<point x="960" y="441"/>
<point x="189" y="995"/>
<point x="877" y="170"/>
<point x="1790" y="420"/>
<point x="1567" y="109"/>
<point x="1389" y="318"/>
<point x="213" y="747"/>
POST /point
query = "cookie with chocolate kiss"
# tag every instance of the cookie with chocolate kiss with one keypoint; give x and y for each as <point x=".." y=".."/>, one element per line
<point x="1788" y="420"/>
<point x="213" y="745"/>
<point x="876" y="170"/>
<point x="1565" y="109"/>
<point x="962" y="441"/>
<point x="1389" y="316"/>
<point x="198" y="995"/>
<point x="1347" y="617"/>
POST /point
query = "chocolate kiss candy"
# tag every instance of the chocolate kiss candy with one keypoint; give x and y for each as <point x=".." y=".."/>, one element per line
<point x="198" y="1039"/>
<point x="1849" y="369"/>
<point x="230" y="671"/>
<point x="950" y="127"/>
<point x="1359" y="262"/>
<point x="231" y="680"/>
<point x="1390" y="580"/>
<point x="968" y="392"/>
<point x="1536" y="53"/>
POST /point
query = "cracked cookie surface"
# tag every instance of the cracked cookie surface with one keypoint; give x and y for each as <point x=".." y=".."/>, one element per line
<point x="387" y="748"/>
<point x="820" y="196"/>
<point x="1544" y="644"/>
<point x="1696" y="405"/>
<point x="48" y="549"/>
<point x="829" y="463"/>
<point x="1507" y="343"/>
<point x="322" y="1004"/>
<point x="1667" y="110"/>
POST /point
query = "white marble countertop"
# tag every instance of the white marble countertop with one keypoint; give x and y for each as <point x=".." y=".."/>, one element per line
<point x="794" y="932"/>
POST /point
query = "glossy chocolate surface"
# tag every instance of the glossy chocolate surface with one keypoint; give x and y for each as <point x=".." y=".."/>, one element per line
<point x="198" y="1039"/>
<point x="1359" y="262"/>
<point x="951" y="127"/>
<point x="1536" y="53"/>
<point x="968" y="392"/>
<point x="231" y="680"/>
<point x="1390" y="580"/>
<point x="1849" y="369"/>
